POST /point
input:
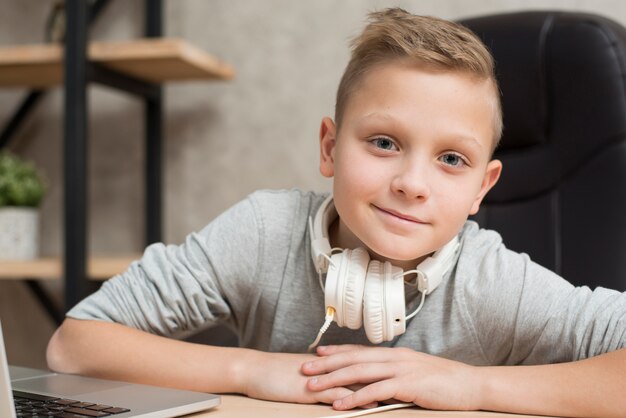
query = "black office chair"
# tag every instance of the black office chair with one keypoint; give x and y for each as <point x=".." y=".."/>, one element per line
<point x="562" y="194"/>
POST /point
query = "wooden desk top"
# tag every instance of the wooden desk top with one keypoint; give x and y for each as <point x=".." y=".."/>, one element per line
<point x="236" y="406"/>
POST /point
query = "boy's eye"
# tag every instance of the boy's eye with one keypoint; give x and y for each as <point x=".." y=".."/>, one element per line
<point x="384" y="143"/>
<point x="452" y="160"/>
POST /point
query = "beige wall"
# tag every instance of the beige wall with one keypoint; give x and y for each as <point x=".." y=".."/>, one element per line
<point x="223" y="139"/>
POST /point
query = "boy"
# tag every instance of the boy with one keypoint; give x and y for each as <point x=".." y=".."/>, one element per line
<point x="417" y="119"/>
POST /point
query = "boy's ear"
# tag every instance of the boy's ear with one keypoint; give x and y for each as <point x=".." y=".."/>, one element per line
<point x="328" y="132"/>
<point x="492" y="174"/>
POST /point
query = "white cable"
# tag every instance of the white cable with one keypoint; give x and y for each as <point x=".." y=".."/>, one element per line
<point x="319" y="334"/>
<point x="371" y="410"/>
<point x="320" y="280"/>
<point x="328" y="319"/>
<point x="419" y="307"/>
<point x="331" y="262"/>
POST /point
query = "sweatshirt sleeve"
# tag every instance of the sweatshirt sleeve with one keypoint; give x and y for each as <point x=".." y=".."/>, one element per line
<point x="523" y="313"/>
<point x="174" y="289"/>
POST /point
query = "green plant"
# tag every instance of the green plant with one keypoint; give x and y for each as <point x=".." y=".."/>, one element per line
<point x="20" y="184"/>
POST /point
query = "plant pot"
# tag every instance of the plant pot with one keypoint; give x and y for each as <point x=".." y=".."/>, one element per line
<point x="19" y="233"/>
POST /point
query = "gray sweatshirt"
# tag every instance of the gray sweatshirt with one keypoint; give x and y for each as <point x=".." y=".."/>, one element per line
<point x="251" y="269"/>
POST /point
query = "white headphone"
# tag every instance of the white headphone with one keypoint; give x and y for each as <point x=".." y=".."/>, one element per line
<point x="360" y="291"/>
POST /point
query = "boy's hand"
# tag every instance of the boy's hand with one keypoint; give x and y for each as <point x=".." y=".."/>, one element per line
<point x="277" y="377"/>
<point x="400" y="374"/>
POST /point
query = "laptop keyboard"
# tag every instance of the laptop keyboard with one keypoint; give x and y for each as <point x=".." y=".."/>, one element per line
<point x="32" y="405"/>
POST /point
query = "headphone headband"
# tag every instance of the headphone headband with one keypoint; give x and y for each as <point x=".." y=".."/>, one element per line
<point x="320" y="243"/>
<point x="430" y="271"/>
<point x="360" y="291"/>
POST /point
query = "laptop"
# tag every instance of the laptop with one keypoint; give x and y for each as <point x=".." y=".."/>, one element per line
<point x="22" y="388"/>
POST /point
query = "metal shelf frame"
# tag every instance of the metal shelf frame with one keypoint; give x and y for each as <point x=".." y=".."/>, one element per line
<point x="122" y="68"/>
<point x="78" y="73"/>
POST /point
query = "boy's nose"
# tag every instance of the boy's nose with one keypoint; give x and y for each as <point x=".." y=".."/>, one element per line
<point x="412" y="182"/>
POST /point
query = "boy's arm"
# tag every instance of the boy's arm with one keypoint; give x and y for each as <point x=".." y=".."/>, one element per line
<point x="114" y="351"/>
<point x="593" y="387"/>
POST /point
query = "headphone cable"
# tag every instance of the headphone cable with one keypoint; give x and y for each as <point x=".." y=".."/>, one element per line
<point x="328" y="319"/>
<point x="419" y="307"/>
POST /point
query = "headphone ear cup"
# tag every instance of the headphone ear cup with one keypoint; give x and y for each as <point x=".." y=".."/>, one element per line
<point x="354" y="287"/>
<point x="345" y="284"/>
<point x="383" y="302"/>
<point x="373" y="302"/>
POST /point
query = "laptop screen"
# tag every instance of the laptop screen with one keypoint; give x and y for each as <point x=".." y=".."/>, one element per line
<point x="7" y="409"/>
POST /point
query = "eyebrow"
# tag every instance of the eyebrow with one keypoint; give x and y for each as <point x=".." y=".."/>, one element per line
<point x="375" y="115"/>
<point x="469" y="140"/>
<point x="388" y="117"/>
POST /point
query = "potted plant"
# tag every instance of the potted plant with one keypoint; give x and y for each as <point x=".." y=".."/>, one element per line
<point x="21" y="191"/>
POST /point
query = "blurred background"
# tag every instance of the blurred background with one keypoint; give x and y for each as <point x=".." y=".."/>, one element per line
<point x="223" y="139"/>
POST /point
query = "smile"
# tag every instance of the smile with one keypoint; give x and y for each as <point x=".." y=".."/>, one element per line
<point x="399" y="216"/>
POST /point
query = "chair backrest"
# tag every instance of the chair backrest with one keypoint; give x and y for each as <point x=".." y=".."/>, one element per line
<point x="562" y="194"/>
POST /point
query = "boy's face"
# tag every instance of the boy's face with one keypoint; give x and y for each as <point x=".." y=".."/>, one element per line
<point x="411" y="160"/>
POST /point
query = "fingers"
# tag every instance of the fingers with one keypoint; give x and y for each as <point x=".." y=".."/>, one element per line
<point x="358" y="373"/>
<point x="330" y="395"/>
<point x="337" y="357"/>
<point x="326" y="350"/>
<point x="351" y="366"/>
<point x="378" y="391"/>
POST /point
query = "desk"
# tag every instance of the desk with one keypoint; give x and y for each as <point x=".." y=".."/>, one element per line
<point x="236" y="406"/>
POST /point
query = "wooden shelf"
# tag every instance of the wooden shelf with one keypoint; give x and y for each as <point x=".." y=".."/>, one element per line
<point x="151" y="59"/>
<point x="99" y="268"/>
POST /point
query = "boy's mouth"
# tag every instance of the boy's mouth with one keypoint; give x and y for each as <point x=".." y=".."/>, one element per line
<point x="399" y="215"/>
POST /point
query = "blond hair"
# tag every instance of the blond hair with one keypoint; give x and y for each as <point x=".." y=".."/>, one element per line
<point x="436" y="43"/>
